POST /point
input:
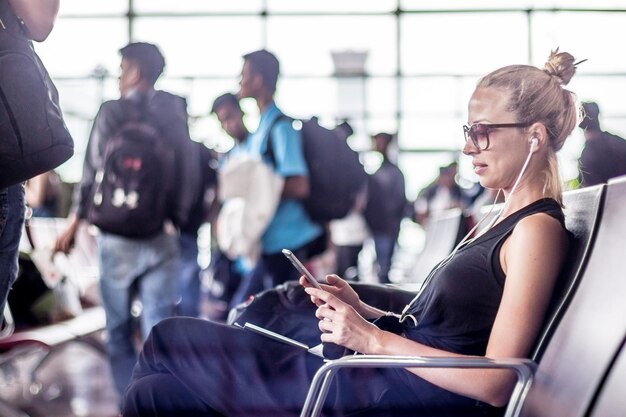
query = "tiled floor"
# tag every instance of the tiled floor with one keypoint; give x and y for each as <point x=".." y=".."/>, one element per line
<point x="73" y="382"/>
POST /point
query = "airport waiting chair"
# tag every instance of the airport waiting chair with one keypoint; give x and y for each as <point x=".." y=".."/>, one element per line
<point x="610" y="399"/>
<point x="557" y="386"/>
<point x="49" y="338"/>
<point x="443" y="231"/>
<point x="591" y="331"/>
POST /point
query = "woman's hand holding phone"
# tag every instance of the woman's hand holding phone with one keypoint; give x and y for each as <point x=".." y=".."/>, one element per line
<point x="343" y="291"/>
<point x="302" y="269"/>
<point x="334" y="284"/>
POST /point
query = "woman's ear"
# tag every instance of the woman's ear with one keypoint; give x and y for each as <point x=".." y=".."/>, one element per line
<point x="539" y="132"/>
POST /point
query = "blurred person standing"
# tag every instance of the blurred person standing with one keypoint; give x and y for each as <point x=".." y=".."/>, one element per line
<point x="348" y="234"/>
<point x="604" y="154"/>
<point x="228" y="274"/>
<point x="143" y="266"/>
<point x="34" y="19"/>
<point x="442" y="194"/>
<point x="291" y="227"/>
<point x="386" y="206"/>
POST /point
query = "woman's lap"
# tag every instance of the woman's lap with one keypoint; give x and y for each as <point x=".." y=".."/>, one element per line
<point x="204" y="366"/>
<point x="232" y="370"/>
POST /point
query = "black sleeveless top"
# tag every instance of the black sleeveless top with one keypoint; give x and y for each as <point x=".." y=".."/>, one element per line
<point x="458" y="306"/>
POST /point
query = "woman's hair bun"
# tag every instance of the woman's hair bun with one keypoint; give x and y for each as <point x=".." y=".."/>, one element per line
<point x="561" y="66"/>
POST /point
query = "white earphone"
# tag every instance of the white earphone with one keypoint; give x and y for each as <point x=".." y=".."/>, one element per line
<point x="534" y="143"/>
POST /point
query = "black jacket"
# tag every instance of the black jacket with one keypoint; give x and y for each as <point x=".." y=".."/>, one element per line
<point x="169" y="114"/>
<point x="386" y="200"/>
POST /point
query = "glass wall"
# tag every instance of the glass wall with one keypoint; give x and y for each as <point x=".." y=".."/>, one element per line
<point x="422" y="61"/>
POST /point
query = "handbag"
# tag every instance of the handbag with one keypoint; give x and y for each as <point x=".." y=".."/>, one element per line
<point x="33" y="135"/>
<point x="250" y="190"/>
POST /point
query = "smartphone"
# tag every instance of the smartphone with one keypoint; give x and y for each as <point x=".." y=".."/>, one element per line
<point x="296" y="262"/>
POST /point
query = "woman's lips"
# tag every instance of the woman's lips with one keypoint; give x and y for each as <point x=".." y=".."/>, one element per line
<point x="479" y="168"/>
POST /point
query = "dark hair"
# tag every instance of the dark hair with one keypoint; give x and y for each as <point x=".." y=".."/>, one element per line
<point x="266" y="64"/>
<point x="147" y="57"/>
<point x="224" y="99"/>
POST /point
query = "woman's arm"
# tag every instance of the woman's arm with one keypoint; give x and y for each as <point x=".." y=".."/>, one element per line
<point x="38" y="16"/>
<point x="531" y="258"/>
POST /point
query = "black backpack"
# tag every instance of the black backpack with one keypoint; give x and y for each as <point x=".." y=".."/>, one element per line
<point x="133" y="191"/>
<point x="335" y="173"/>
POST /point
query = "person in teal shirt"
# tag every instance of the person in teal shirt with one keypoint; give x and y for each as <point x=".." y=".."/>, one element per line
<point x="290" y="228"/>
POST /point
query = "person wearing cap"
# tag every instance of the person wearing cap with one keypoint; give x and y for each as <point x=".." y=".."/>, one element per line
<point x="442" y="194"/>
<point x="604" y="154"/>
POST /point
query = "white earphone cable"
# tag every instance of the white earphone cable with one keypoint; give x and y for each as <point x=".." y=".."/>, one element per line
<point x="404" y="316"/>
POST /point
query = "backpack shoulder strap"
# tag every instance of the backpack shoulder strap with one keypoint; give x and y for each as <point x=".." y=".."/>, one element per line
<point x="269" y="147"/>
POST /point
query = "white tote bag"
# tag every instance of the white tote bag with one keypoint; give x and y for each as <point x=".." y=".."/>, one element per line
<point x="250" y="191"/>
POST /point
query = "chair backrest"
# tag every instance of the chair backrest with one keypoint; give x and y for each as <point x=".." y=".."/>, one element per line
<point x="591" y="331"/>
<point x="442" y="232"/>
<point x="582" y="210"/>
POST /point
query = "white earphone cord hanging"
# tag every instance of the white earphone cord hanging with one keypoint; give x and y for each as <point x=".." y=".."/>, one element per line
<point x="465" y="240"/>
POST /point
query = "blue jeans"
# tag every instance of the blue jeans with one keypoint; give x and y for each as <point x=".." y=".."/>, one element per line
<point x="11" y="221"/>
<point x="189" y="276"/>
<point x="384" y="246"/>
<point x="129" y="268"/>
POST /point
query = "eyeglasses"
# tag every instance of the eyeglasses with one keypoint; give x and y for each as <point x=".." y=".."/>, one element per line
<point x="479" y="132"/>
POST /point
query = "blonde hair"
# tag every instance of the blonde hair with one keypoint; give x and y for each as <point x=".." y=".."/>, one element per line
<point x="537" y="95"/>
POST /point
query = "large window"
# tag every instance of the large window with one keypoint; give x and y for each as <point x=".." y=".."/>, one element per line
<point x="422" y="60"/>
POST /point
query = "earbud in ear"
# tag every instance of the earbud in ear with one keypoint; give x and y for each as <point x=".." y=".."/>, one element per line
<point x="534" y="143"/>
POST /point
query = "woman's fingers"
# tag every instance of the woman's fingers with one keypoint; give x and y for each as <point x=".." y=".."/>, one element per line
<point x="324" y="296"/>
<point x="333" y="279"/>
<point x="305" y="283"/>
<point x="324" y="312"/>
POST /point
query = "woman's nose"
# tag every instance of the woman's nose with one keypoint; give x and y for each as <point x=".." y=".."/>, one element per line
<point x="469" y="148"/>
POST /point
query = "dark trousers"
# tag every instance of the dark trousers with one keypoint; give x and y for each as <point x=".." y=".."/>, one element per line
<point x="192" y="367"/>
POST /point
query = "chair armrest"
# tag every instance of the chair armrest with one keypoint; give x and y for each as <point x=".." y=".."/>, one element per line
<point x="524" y="368"/>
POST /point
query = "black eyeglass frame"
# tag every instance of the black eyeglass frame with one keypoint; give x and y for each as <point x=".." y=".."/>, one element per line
<point x="469" y="131"/>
